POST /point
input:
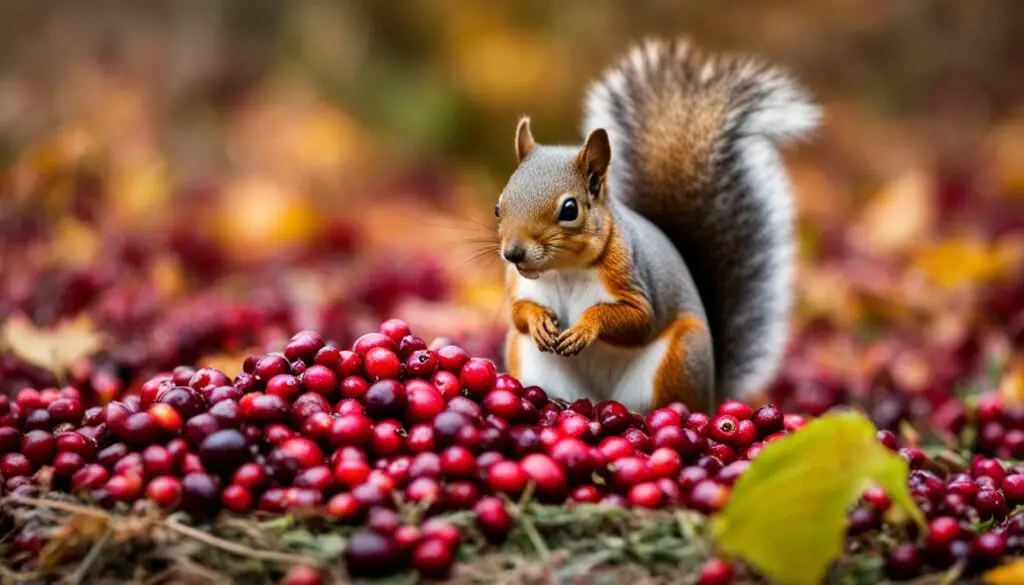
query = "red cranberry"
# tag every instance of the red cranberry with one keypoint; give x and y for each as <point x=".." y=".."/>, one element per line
<point x="271" y="365"/>
<point x="942" y="531"/>
<point x="263" y="409"/>
<point x="715" y="571"/>
<point x="503" y="404"/>
<point x="1013" y="488"/>
<point x="38" y="446"/>
<point x="251" y="476"/>
<point x="722" y="452"/>
<point x="423" y="489"/>
<point x="478" y="375"/>
<point x="306" y="405"/>
<point x="388" y="438"/>
<point x="199" y="427"/>
<point x="223" y="451"/>
<point x="645" y="495"/>
<point x="662" y="417"/>
<point x="157" y="460"/>
<point x="425" y="464"/>
<point x="452" y="358"/>
<point x="344" y="507"/>
<point x="586" y="494"/>
<point x="736" y="409"/>
<point x="724" y="428"/>
<point x="447" y="425"/>
<point x="67" y="463"/>
<point x="73" y="441"/>
<point x="421" y="364"/>
<point x="370" y="341"/>
<point x="493" y="519"/>
<point x="237" y="498"/>
<point x="988" y="548"/>
<point x="303" y="346"/>
<point x="352" y="429"/>
<point x="109" y="456"/>
<point x="187" y="401"/>
<point x="66" y="410"/>
<point x="507" y="477"/>
<point x="629" y="471"/>
<point x="140" y="429"/>
<point x="639" y="439"/>
<point x="990" y="503"/>
<point x="664" y="462"/>
<point x="200" y="494"/>
<point x="277" y="433"/>
<point x="460" y="495"/>
<point x="698" y="422"/>
<point x="547" y="476"/>
<point x="124" y="488"/>
<point x="448" y="384"/>
<point x="536" y="396"/>
<point x="330" y="357"/>
<point x="396" y="329"/>
<point x="382" y="364"/>
<point x="877" y="498"/>
<point x="904" y="562"/>
<point x="409" y="345"/>
<point x="988" y="467"/>
<point x="164" y="491"/>
<point x="90" y="476"/>
<point x="574" y="458"/>
<point x="166" y="417"/>
<point x="386" y="399"/>
<point x="615" y="448"/>
<point x="14" y="465"/>
<point x="457" y="462"/>
<point x="285" y="386"/>
<point x="424" y="401"/>
<point x="708" y="496"/>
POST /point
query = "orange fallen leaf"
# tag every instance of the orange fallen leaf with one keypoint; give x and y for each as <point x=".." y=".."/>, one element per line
<point x="897" y="218"/>
<point x="1009" y="574"/>
<point x="963" y="261"/>
<point x="54" y="349"/>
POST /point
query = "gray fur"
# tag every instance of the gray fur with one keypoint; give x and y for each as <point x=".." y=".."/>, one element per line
<point x="694" y="150"/>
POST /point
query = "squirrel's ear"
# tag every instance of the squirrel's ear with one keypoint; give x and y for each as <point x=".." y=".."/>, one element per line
<point x="524" y="139"/>
<point x="596" y="153"/>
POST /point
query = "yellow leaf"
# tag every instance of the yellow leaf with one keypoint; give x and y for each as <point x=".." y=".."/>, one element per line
<point x="55" y="349"/>
<point x="963" y="261"/>
<point x="1011" y="387"/>
<point x="1009" y="574"/>
<point x="799" y="489"/>
<point x="909" y="200"/>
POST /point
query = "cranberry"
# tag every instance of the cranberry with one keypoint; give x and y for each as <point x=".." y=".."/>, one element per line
<point x="452" y="358"/>
<point x="708" y="496"/>
<point x="200" y="494"/>
<point x="505" y="404"/>
<point x="303" y="346"/>
<point x="74" y="442"/>
<point x="66" y="410"/>
<point x="251" y="476"/>
<point x="38" y="446"/>
<point x="263" y="409"/>
<point x="1013" y="488"/>
<point x="187" y="401"/>
<point x="645" y="495"/>
<point x="67" y="463"/>
<point x="698" y="422"/>
<point x="507" y="477"/>
<point x="304" y="452"/>
<point x="988" y="467"/>
<point x="424" y="401"/>
<point x="457" y="462"/>
<point x="284" y="386"/>
<point x="388" y="438"/>
<point x="586" y="494"/>
<point x="89" y="477"/>
<point x="386" y="399"/>
<point x="573" y="455"/>
<point x="382" y="364"/>
<point x="271" y="365"/>
<point x="422" y="364"/>
<point x="793" y="422"/>
<point x="493" y="519"/>
<point x="478" y="375"/>
<point x="223" y="451"/>
<point x="615" y="448"/>
<point x="448" y="384"/>
<point x="715" y="571"/>
<point x="629" y="471"/>
<point x="724" y="428"/>
<point x="990" y="503"/>
<point x="736" y="409"/>
<point x="111" y="455"/>
<point x="164" y="491"/>
<point x="989" y="548"/>
<point x="660" y="418"/>
<point x="306" y="405"/>
<point x="536" y="396"/>
<point x="904" y="562"/>
<point x="166" y="417"/>
<point x="547" y="476"/>
<point x="447" y="425"/>
<point x="877" y="498"/>
<point x="409" y="345"/>
<point x="423" y="489"/>
<point x="352" y="429"/>
<point x="124" y="488"/>
<point x="942" y="531"/>
<point x="157" y="460"/>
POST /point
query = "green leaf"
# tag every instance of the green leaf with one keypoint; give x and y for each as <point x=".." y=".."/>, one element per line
<point x="787" y="514"/>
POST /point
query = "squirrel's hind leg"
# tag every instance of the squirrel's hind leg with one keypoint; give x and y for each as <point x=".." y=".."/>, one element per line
<point x="686" y="372"/>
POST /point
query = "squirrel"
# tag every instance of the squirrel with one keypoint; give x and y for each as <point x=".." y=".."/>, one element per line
<point x="654" y="263"/>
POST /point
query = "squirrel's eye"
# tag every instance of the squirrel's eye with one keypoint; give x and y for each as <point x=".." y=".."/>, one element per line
<point x="496" y="208"/>
<point x="570" y="210"/>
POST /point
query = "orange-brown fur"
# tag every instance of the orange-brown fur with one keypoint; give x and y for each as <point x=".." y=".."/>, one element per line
<point x="671" y="381"/>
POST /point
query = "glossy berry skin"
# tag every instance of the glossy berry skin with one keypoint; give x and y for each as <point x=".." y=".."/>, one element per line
<point x="507" y="477"/>
<point x="903" y="562"/>
<point x="645" y="495"/>
<point x="433" y="558"/>
<point x="547" y="476"/>
<point x="38" y="446"/>
<point x="478" y="375"/>
<point x="164" y="491"/>
<point x="382" y="364"/>
<point x="723" y="428"/>
<point x="371" y="555"/>
<point x="451" y="358"/>
<point x="736" y="409"/>
<point x="715" y="571"/>
<point x="386" y="399"/>
<point x="493" y="519"/>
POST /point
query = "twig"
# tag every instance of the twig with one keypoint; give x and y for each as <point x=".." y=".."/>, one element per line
<point x="238" y="549"/>
<point x="535" y="538"/>
<point x="94" y="552"/>
<point x="59" y="505"/>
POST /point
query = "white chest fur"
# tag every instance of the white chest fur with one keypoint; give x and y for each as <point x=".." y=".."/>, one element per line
<point x="566" y="292"/>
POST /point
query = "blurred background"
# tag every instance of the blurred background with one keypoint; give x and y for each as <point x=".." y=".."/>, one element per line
<point x="188" y="182"/>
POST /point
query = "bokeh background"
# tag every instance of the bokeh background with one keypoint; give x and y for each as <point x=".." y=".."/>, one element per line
<point x="189" y="182"/>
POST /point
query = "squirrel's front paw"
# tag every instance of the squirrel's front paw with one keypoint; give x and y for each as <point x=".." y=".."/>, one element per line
<point x="544" y="331"/>
<point x="575" y="339"/>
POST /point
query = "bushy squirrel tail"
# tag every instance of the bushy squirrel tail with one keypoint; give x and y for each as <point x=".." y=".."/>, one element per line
<point x="695" y="150"/>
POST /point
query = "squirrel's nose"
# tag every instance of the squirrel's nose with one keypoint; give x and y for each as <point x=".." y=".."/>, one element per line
<point x="514" y="254"/>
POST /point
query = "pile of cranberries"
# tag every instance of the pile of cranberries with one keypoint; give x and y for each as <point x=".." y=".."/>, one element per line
<point x="351" y="432"/>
